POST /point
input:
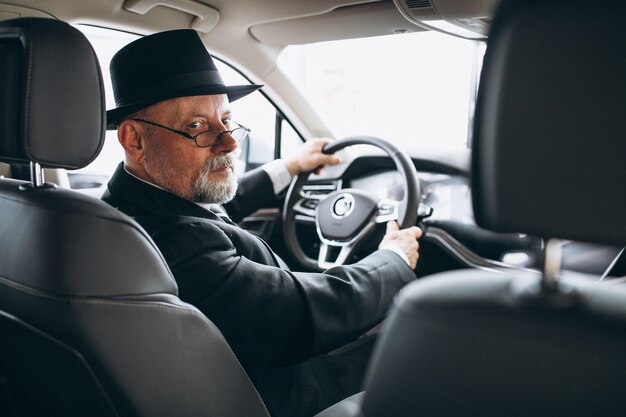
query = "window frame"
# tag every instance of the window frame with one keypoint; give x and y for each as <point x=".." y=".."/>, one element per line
<point x="278" y="119"/>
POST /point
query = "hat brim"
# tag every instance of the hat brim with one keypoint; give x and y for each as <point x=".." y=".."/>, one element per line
<point x="235" y="92"/>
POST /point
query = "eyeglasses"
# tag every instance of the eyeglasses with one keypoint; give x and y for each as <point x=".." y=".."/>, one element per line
<point x="209" y="138"/>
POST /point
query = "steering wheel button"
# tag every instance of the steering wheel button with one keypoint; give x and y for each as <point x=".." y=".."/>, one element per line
<point x="310" y="204"/>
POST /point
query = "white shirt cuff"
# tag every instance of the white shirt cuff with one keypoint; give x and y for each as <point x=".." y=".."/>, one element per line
<point x="396" y="249"/>
<point x="279" y="174"/>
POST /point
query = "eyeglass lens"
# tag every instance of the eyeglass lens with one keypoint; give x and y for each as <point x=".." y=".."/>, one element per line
<point x="213" y="138"/>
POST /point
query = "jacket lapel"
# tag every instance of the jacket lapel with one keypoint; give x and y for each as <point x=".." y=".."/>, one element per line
<point x="143" y="199"/>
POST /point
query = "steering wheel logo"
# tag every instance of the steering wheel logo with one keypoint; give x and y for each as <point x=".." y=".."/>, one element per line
<point x="342" y="206"/>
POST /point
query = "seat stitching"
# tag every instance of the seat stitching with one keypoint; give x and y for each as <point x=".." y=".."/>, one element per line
<point x="140" y="304"/>
<point x="91" y="300"/>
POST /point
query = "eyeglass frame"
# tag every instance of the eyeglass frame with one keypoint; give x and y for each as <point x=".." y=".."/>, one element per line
<point x="220" y="133"/>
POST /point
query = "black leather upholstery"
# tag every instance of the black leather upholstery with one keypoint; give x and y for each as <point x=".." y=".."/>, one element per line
<point x="474" y="343"/>
<point x="52" y="370"/>
<point x="549" y="130"/>
<point x="549" y="159"/>
<point x="37" y="70"/>
<point x="81" y="283"/>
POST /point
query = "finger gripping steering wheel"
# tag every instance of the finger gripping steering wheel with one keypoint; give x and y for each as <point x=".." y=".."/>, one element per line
<point x="345" y="217"/>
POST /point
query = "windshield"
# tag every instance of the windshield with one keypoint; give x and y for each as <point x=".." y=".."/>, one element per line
<point x="414" y="90"/>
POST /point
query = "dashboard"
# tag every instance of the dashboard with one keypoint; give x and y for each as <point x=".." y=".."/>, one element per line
<point x="451" y="223"/>
<point x="448" y="196"/>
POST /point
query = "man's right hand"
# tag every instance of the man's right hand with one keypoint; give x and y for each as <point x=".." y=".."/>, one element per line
<point x="405" y="239"/>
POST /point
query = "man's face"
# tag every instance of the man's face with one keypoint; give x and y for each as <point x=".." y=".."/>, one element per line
<point x="177" y="164"/>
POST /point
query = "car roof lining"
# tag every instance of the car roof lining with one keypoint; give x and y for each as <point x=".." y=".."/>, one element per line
<point x="255" y="26"/>
<point x="275" y="21"/>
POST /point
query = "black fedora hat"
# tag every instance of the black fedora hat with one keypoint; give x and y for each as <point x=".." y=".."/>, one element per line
<point x="163" y="66"/>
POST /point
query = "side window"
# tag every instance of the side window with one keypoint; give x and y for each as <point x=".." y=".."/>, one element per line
<point x="290" y="139"/>
<point x="258" y="113"/>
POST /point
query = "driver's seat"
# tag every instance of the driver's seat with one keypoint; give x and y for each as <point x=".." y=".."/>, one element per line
<point x="549" y="160"/>
<point x="90" y="320"/>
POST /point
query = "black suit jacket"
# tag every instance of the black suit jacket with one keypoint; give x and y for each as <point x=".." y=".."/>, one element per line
<point x="271" y="316"/>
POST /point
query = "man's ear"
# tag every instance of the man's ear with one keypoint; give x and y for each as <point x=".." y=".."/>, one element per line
<point x="131" y="140"/>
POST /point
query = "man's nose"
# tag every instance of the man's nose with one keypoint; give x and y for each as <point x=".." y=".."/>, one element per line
<point x="226" y="144"/>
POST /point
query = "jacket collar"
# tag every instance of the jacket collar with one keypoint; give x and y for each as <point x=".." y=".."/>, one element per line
<point x="138" y="197"/>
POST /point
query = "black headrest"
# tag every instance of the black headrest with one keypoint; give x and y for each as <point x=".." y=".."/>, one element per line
<point x="549" y="153"/>
<point x="52" y="108"/>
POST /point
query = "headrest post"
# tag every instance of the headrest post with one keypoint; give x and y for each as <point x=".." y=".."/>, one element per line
<point x="36" y="175"/>
<point x="36" y="179"/>
<point x="552" y="259"/>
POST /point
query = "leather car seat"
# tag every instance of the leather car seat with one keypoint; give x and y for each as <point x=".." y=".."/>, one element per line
<point x="90" y="320"/>
<point x="549" y="160"/>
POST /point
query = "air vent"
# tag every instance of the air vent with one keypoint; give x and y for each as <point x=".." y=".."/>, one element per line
<point x="416" y="8"/>
<point x="319" y="189"/>
<point x="311" y="194"/>
<point x="418" y="4"/>
<point x="424" y="14"/>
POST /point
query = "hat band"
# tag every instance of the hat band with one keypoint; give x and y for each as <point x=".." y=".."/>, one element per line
<point x="173" y="84"/>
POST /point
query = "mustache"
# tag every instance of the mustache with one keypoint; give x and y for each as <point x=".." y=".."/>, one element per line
<point x="219" y="162"/>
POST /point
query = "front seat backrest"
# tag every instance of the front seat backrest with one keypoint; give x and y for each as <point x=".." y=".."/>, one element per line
<point x="90" y="318"/>
<point x="549" y="160"/>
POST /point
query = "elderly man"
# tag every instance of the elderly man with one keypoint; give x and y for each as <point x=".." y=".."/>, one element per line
<point x="174" y="122"/>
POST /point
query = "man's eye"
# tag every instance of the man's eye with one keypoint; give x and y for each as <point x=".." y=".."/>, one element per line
<point x="227" y="123"/>
<point x="197" y="126"/>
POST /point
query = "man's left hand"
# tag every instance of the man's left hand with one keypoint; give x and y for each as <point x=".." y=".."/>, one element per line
<point x="309" y="157"/>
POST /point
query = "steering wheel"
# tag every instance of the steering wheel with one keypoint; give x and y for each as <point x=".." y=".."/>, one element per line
<point x="345" y="217"/>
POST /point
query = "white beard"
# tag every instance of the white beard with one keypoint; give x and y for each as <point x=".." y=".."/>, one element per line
<point x="205" y="191"/>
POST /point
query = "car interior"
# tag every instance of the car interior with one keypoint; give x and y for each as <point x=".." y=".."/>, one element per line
<point x="519" y="306"/>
